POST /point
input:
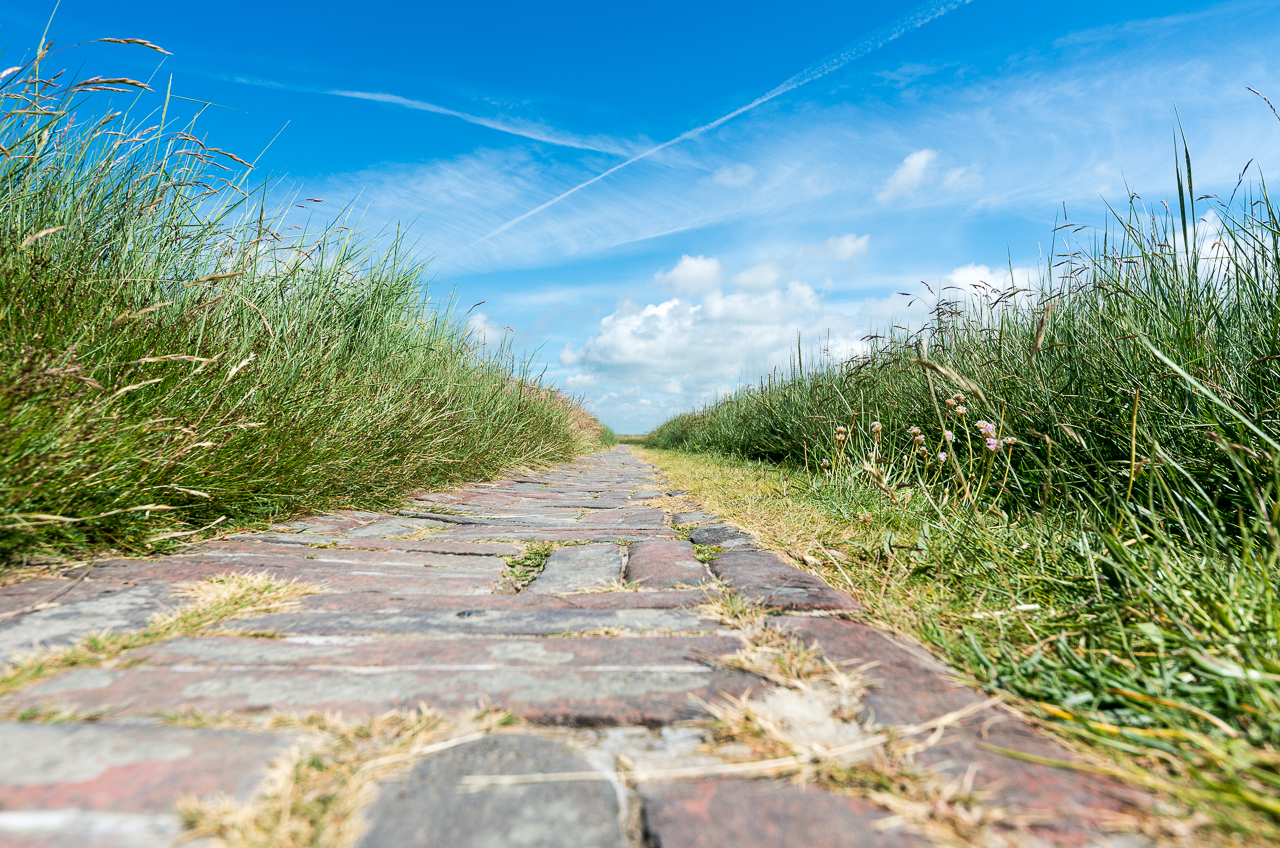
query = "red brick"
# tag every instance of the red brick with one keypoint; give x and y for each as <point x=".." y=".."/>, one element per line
<point x="127" y="768"/>
<point x="663" y="563"/>
<point x="763" y="814"/>
<point x="764" y="577"/>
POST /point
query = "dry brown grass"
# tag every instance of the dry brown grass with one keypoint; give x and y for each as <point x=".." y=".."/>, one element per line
<point x="615" y="585"/>
<point x="756" y="498"/>
<point x="314" y="793"/>
<point x="726" y="606"/>
<point x="213" y="601"/>
<point x="673" y="503"/>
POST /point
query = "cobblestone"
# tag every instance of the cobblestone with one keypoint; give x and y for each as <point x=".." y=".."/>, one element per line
<point x="603" y="655"/>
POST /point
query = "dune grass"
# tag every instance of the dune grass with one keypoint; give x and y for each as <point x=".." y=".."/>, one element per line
<point x="177" y="354"/>
<point x="1075" y="487"/>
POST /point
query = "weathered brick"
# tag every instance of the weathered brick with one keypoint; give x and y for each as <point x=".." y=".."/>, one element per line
<point x="762" y="576"/>
<point x="663" y="563"/>
<point x="763" y="814"/>
<point x="722" y="536"/>
<point x="390" y="623"/>
<point x="648" y="680"/>
<point x="373" y="599"/>
<point x="126" y="768"/>
<point x="579" y="567"/>
<point x="425" y="808"/>
<point x="632" y="517"/>
<point x="117" y="608"/>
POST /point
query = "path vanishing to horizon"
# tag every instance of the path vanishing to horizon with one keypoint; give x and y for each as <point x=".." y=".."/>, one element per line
<point x="669" y="683"/>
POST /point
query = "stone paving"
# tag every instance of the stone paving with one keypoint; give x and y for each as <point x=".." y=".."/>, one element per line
<point x="421" y="607"/>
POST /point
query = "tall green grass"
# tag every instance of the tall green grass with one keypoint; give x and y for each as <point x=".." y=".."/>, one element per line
<point x="1113" y="552"/>
<point x="176" y="353"/>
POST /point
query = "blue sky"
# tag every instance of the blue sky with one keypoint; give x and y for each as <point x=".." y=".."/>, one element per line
<point x="942" y="154"/>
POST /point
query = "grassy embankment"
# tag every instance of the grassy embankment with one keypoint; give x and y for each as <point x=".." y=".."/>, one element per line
<point x="177" y="354"/>
<point x="1073" y="494"/>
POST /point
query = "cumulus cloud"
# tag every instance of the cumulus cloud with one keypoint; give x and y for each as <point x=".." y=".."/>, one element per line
<point x="842" y="248"/>
<point x="909" y="176"/>
<point x="692" y="275"/>
<point x="759" y="277"/>
<point x="810" y="257"/>
<point x="685" y="350"/>
<point x="975" y="280"/>
<point x="683" y="347"/>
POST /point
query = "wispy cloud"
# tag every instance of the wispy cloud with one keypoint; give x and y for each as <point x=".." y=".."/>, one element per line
<point x="526" y="129"/>
<point x="908" y="177"/>
<point x="533" y="130"/>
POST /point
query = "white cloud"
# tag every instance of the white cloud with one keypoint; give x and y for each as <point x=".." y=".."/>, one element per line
<point x="536" y="130"/>
<point x="684" y="351"/>
<point x="975" y="282"/>
<point x="958" y="179"/>
<point x="909" y="176"/>
<point x="568" y="356"/>
<point x="758" y="277"/>
<point x="1031" y="133"/>
<point x="907" y="73"/>
<point x="478" y="327"/>
<point x="686" y="348"/>
<point x="692" y="275"/>
<point x="735" y="176"/>
<point x="765" y="275"/>
<point x="846" y="247"/>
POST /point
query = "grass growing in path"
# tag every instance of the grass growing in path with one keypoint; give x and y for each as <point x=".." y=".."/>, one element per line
<point x="315" y="792"/>
<point x="523" y="569"/>
<point x="213" y="601"/>
<point x="175" y="353"/>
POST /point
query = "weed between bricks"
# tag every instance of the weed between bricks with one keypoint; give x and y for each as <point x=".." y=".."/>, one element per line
<point x="1073" y="491"/>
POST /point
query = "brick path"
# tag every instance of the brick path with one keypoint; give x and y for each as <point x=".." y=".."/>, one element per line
<point x="415" y="613"/>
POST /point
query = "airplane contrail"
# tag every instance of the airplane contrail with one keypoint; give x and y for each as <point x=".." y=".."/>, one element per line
<point x="525" y="129"/>
<point x="914" y="19"/>
<point x="521" y="128"/>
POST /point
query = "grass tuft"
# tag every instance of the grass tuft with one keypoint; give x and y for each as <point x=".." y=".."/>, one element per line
<point x="521" y="570"/>
<point x="213" y="601"/>
<point x="315" y="792"/>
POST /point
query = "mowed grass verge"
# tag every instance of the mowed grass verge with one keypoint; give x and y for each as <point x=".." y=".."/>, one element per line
<point x="1070" y="493"/>
<point x="176" y="354"/>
